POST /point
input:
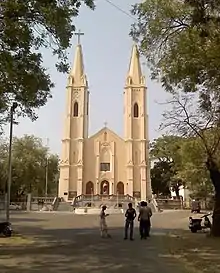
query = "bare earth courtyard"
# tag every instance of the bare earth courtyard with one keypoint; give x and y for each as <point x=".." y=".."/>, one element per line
<point x="59" y="242"/>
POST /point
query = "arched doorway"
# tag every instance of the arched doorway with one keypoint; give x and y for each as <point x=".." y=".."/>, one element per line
<point x="104" y="187"/>
<point x="89" y="187"/>
<point x="120" y="188"/>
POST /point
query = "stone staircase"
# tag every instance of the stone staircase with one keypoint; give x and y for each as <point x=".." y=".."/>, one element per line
<point x="153" y="205"/>
<point x="92" y="204"/>
<point x="64" y="206"/>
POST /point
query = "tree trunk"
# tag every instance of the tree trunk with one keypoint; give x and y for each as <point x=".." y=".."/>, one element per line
<point x="215" y="177"/>
<point x="177" y="192"/>
<point x="216" y="218"/>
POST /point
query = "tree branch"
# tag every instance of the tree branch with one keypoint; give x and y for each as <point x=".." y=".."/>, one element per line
<point x="186" y="118"/>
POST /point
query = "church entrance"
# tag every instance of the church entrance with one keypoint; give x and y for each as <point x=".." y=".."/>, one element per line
<point x="120" y="188"/>
<point x="104" y="187"/>
<point x="89" y="188"/>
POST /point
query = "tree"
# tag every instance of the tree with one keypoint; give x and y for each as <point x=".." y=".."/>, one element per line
<point x="161" y="176"/>
<point x="27" y="26"/>
<point x="29" y="161"/>
<point x="53" y="174"/>
<point x="193" y="169"/>
<point x="166" y="149"/>
<point x="180" y="40"/>
<point x="189" y="118"/>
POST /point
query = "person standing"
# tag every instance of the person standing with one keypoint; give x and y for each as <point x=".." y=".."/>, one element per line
<point x="144" y="218"/>
<point x="103" y="224"/>
<point x="129" y="222"/>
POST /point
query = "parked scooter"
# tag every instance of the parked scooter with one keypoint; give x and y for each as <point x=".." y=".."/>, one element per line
<point x="5" y="229"/>
<point x="196" y="224"/>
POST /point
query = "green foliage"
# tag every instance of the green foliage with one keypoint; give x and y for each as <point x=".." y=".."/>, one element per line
<point x="180" y="161"/>
<point x="29" y="161"/>
<point x="27" y="26"/>
<point x="161" y="175"/>
<point x="180" y="40"/>
<point x="166" y="150"/>
<point x="193" y="170"/>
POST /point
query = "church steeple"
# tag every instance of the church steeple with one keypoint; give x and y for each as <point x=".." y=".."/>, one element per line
<point x="77" y="72"/>
<point x="75" y="128"/>
<point x="135" y="75"/>
<point x="136" y="128"/>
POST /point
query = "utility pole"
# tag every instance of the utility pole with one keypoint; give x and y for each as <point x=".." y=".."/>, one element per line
<point x="8" y="186"/>
<point x="46" y="171"/>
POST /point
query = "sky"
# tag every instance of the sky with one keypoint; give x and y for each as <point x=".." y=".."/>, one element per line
<point x="107" y="50"/>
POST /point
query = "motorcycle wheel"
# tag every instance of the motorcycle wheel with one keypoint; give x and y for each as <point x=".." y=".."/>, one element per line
<point x="193" y="230"/>
<point x="7" y="232"/>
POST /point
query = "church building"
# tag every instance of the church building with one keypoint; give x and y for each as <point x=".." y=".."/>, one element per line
<point x="105" y="163"/>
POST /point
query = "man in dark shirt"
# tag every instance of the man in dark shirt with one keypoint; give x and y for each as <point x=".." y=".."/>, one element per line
<point x="144" y="218"/>
<point x="129" y="222"/>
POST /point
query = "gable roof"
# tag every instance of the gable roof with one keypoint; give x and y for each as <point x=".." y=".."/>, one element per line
<point x="106" y="129"/>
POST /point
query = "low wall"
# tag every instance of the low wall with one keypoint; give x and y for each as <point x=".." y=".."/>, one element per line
<point x="169" y="204"/>
<point x="96" y="211"/>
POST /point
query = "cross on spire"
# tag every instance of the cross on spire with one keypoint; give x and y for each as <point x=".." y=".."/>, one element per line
<point x="79" y="34"/>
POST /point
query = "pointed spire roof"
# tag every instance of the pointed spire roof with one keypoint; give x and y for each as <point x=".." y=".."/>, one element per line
<point x="77" y="71"/>
<point x="135" y="73"/>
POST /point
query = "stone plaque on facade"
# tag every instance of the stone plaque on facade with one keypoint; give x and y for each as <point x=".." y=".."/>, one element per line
<point x="72" y="194"/>
<point x="136" y="194"/>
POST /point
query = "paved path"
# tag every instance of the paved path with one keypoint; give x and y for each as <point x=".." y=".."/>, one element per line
<point x="67" y="243"/>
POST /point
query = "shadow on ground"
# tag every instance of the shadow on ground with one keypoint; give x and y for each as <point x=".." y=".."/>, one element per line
<point x="199" y="251"/>
<point x="81" y="250"/>
<point x="26" y="220"/>
<point x="84" y="251"/>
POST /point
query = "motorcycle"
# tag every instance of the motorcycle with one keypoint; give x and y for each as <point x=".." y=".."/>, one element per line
<point x="6" y="229"/>
<point x="196" y="224"/>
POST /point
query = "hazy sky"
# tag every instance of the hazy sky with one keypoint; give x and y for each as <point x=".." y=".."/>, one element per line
<point x="107" y="50"/>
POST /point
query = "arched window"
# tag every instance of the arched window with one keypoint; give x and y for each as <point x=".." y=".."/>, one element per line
<point x="136" y="110"/>
<point x="76" y="109"/>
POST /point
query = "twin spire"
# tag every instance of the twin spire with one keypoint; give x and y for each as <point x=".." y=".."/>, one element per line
<point x="77" y="71"/>
<point x="134" y="76"/>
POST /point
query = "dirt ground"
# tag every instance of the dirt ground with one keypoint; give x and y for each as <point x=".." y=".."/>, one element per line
<point x="52" y="242"/>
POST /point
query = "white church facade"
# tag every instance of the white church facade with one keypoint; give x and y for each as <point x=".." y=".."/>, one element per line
<point x="105" y="163"/>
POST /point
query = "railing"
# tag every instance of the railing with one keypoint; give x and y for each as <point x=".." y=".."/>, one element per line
<point x="99" y="200"/>
<point x="99" y="197"/>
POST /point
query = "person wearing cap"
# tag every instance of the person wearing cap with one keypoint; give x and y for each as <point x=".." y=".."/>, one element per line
<point x="145" y="214"/>
<point x="103" y="225"/>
